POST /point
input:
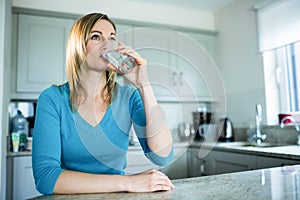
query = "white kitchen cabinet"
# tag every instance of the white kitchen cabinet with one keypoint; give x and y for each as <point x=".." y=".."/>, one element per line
<point x="20" y="178"/>
<point x="41" y="52"/>
<point x="156" y="46"/>
<point x="174" y="75"/>
<point x="193" y="63"/>
<point x="266" y="162"/>
<point x="125" y="34"/>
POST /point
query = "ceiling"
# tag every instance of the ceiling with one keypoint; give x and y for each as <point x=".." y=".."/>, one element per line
<point x="204" y="5"/>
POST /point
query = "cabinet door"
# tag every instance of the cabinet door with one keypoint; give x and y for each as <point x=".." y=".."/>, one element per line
<point x="41" y="52"/>
<point x="23" y="181"/>
<point x="193" y="64"/>
<point x="137" y="162"/>
<point x="196" y="166"/>
<point x="125" y="34"/>
<point x="178" y="168"/>
<point x="224" y="162"/>
<point x="157" y="46"/>
<point x="265" y="162"/>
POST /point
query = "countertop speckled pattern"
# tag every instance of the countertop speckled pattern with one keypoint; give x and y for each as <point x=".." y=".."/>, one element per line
<point x="273" y="183"/>
<point x="287" y="152"/>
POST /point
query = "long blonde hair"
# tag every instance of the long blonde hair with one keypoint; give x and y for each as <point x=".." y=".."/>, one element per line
<point x="76" y="58"/>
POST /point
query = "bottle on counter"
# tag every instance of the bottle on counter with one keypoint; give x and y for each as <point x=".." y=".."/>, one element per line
<point x="20" y="127"/>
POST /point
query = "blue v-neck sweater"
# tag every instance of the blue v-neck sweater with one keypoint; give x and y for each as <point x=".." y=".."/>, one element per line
<point x="63" y="140"/>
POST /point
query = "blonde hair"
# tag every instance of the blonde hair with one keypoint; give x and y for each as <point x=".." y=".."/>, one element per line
<point x="76" y="59"/>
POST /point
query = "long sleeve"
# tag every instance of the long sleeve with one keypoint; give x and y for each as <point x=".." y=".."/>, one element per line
<point x="46" y="154"/>
<point x="139" y="123"/>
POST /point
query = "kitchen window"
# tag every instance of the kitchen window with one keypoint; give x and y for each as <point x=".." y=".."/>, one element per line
<point x="282" y="79"/>
<point x="279" y="43"/>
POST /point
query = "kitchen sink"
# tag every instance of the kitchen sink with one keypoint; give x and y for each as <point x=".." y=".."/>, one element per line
<point x="251" y="144"/>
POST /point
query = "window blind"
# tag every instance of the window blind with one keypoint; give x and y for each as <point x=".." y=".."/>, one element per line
<point x="278" y="23"/>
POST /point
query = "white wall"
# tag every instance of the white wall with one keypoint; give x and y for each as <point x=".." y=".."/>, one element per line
<point x="2" y="155"/>
<point x="128" y="10"/>
<point x="5" y="65"/>
<point x="239" y="61"/>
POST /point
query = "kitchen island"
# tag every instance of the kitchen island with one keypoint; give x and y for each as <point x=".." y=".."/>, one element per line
<point x="272" y="183"/>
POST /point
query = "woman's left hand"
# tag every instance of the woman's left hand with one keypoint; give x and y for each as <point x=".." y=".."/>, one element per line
<point x="138" y="75"/>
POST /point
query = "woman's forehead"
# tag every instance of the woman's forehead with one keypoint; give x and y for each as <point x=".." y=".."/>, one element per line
<point x="104" y="26"/>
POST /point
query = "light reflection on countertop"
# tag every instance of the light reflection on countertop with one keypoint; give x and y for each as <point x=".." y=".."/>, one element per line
<point x="272" y="183"/>
<point x="287" y="152"/>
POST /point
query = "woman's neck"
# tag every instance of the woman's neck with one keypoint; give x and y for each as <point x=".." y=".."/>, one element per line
<point x="95" y="83"/>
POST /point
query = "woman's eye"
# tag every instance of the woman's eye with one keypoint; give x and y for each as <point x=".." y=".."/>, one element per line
<point x="95" y="37"/>
<point x="113" y="39"/>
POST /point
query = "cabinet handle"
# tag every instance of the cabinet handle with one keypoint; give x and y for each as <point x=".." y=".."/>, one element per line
<point x="202" y="167"/>
<point x="174" y="79"/>
<point x="181" y="78"/>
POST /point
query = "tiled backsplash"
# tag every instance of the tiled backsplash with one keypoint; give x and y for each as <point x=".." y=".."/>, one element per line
<point x="275" y="134"/>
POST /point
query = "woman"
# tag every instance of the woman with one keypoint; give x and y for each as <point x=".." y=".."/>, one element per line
<point x="81" y="129"/>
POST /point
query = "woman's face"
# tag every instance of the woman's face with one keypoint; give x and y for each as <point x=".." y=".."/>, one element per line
<point x="95" y="47"/>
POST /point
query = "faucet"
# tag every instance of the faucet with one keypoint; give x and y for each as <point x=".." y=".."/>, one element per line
<point x="292" y="119"/>
<point x="258" y="137"/>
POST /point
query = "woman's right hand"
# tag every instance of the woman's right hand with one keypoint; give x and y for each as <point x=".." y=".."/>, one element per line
<point x="149" y="181"/>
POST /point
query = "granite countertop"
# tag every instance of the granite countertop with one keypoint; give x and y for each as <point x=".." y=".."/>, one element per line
<point x="20" y="153"/>
<point x="273" y="183"/>
<point x="287" y="152"/>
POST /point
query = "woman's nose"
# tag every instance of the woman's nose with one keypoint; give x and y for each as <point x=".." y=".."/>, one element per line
<point x="104" y="46"/>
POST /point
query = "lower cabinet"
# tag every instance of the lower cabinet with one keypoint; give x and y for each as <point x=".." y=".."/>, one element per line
<point x="137" y="162"/>
<point x="223" y="162"/>
<point x="179" y="167"/>
<point x="20" y="181"/>
<point x="220" y="162"/>
<point x="265" y="162"/>
<point x="196" y="166"/>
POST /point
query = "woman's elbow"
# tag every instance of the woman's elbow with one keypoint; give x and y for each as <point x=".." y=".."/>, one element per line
<point x="45" y="180"/>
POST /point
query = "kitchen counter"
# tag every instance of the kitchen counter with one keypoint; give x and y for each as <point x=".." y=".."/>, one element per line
<point x="272" y="183"/>
<point x="20" y="153"/>
<point x="287" y="152"/>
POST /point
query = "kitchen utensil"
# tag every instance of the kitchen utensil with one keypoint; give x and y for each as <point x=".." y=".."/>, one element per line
<point x="226" y="129"/>
<point x="185" y="131"/>
<point x="201" y="118"/>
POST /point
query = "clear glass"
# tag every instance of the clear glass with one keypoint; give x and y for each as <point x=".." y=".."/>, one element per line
<point x="122" y="62"/>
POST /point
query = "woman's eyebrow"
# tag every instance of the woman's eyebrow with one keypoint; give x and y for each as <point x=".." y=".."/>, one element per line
<point x="112" y="33"/>
<point x="97" y="32"/>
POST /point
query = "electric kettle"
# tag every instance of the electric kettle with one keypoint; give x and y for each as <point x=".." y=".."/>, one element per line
<point x="225" y="129"/>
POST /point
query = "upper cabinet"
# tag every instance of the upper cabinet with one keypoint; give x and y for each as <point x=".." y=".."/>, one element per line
<point x="39" y="58"/>
<point x="40" y="52"/>
<point x="175" y="64"/>
<point x="157" y="46"/>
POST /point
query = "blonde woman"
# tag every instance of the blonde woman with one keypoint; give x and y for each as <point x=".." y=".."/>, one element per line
<point x="82" y="127"/>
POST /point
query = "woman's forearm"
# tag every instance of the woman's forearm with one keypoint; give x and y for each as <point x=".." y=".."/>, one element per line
<point x="72" y="182"/>
<point x="159" y="137"/>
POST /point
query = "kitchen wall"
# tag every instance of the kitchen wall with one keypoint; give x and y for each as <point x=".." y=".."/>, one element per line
<point x="5" y="65"/>
<point x="2" y="13"/>
<point x="238" y="58"/>
<point x="128" y="10"/>
<point x="239" y="61"/>
<point x="237" y="50"/>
